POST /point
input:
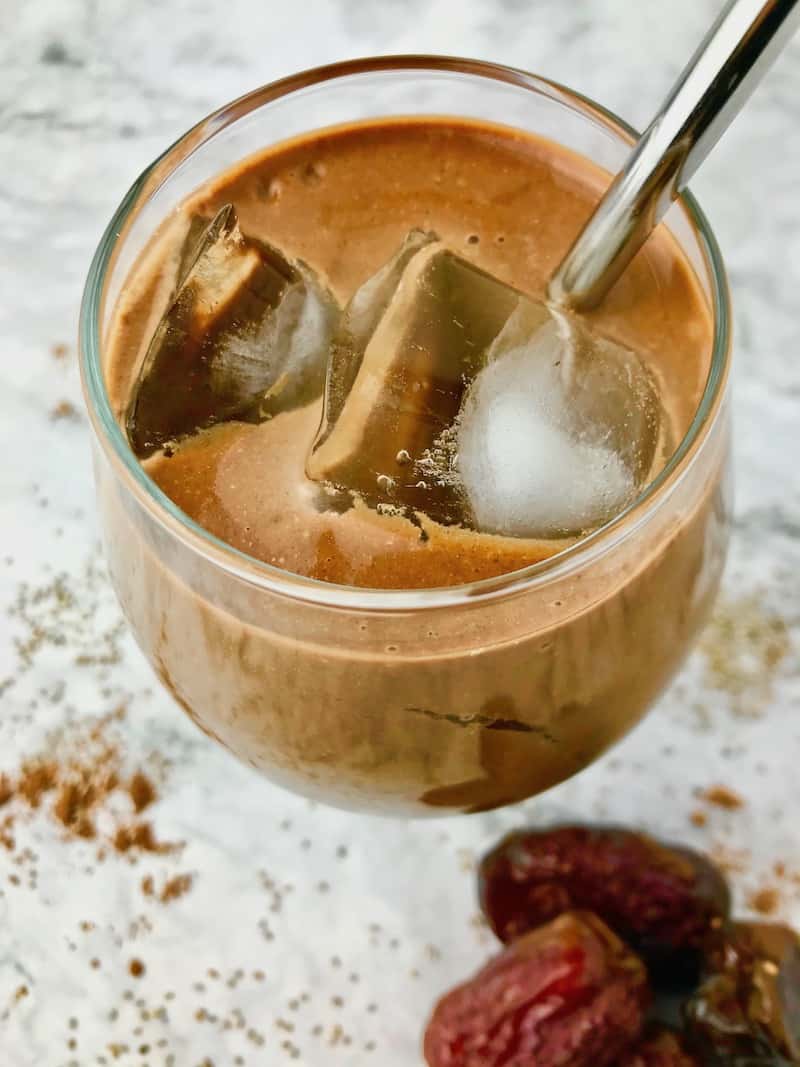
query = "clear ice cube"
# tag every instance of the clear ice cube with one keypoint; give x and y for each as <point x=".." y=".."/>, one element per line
<point x="407" y="344"/>
<point x="454" y="395"/>
<point x="247" y="335"/>
<point x="558" y="431"/>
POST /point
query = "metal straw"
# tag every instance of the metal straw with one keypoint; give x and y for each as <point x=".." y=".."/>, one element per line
<point x="710" y="92"/>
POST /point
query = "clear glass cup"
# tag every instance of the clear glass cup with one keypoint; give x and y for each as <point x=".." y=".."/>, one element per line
<point x="428" y="701"/>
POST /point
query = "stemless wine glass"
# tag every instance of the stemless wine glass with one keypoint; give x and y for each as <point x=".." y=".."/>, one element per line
<point x="435" y="700"/>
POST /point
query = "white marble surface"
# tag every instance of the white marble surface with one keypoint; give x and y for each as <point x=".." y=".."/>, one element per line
<point x="89" y="93"/>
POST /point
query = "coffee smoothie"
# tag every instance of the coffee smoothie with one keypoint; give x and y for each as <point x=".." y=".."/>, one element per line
<point x="409" y="711"/>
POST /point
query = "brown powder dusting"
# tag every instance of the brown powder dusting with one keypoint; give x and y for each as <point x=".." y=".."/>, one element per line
<point x="64" y="410"/>
<point x="698" y="818"/>
<point x="73" y="807"/>
<point x="766" y="901"/>
<point x="36" y="778"/>
<point x="720" y="796"/>
<point x="59" y="350"/>
<point x="176" y="887"/>
<point x="7" y="839"/>
<point x="81" y="765"/>
<point x="140" y="836"/>
<point x="173" y="888"/>
<point x="136" y="968"/>
<point x="142" y="792"/>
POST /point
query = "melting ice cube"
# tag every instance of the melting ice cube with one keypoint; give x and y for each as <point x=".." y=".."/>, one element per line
<point x="558" y="431"/>
<point x="408" y="343"/>
<point x="246" y="335"/>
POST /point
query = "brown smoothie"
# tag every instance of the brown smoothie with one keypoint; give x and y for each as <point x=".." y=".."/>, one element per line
<point x="460" y="710"/>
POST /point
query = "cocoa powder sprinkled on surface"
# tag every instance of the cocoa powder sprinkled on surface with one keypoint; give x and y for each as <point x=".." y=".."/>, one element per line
<point x="73" y="807"/>
<point x="7" y="839"/>
<point x="175" y="887"/>
<point x="136" y="968"/>
<point x="80" y="770"/>
<point x="141" y="836"/>
<point x="142" y="792"/>
<point x="720" y="796"/>
<point x="36" y="778"/>
<point x="64" y="411"/>
<point x="765" y="901"/>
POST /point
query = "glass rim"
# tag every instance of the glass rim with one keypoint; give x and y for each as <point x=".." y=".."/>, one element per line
<point x="315" y="591"/>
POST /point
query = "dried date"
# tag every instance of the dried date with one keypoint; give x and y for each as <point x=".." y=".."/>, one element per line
<point x="747" y="1011"/>
<point x="569" y="994"/>
<point x="660" y="1048"/>
<point x="663" y="901"/>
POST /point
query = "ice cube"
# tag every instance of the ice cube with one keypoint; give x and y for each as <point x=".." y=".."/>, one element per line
<point x="558" y="431"/>
<point x="409" y="341"/>
<point x="246" y="335"/>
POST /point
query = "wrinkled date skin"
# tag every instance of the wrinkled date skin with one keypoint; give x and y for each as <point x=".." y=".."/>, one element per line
<point x="569" y="994"/>
<point x="663" y="901"/>
<point x="660" y="1048"/>
<point x="748" y="1010"/>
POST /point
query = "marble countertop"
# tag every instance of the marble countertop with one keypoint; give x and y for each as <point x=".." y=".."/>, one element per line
<point x="295" y="941"/>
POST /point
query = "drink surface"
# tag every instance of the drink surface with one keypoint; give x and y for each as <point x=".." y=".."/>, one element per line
<point x="343" y="201"/>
